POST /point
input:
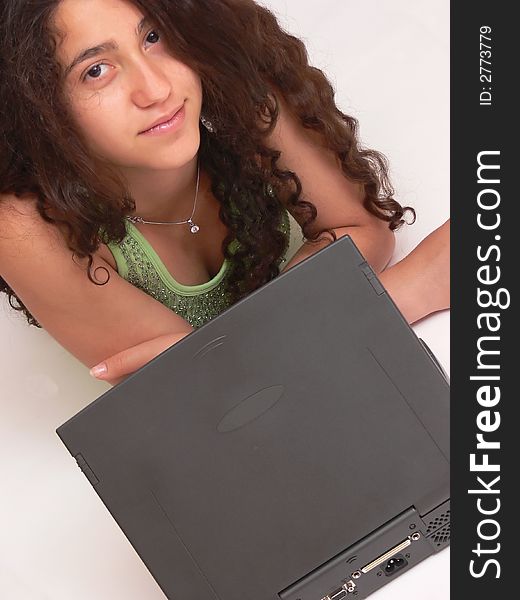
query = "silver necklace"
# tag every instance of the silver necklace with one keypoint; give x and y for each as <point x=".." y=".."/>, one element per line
<point x="194" y="228"/>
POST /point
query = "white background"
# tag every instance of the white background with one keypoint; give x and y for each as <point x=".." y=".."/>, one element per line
<point x="389" y="63"/>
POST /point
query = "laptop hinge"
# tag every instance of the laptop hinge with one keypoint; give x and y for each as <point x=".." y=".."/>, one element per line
<point x="372" y="278"/>
<point x="83" y="465"/>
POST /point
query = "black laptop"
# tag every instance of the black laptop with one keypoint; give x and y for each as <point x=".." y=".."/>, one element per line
<point x="296" y="447"/>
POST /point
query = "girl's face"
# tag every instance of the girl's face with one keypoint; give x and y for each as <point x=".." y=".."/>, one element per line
<point x="120" y="80"/>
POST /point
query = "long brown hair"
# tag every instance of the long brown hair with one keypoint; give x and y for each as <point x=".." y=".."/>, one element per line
<point x="244" y="58"/>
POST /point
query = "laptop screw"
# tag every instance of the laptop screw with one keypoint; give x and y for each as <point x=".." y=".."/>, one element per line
<point x="356" y="575"/>
<point x="413" y="526"/>
<point x="415" y="536"/>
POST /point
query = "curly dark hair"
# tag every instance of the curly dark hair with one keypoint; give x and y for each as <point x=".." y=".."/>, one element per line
<point x="244" y="59"/>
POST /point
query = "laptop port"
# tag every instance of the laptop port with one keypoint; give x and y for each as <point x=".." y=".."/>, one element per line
<point x="394" y="565"/>
<point x="384" y="558"/>
<point x="338" y="594"/>
<point x="342" y="592"/>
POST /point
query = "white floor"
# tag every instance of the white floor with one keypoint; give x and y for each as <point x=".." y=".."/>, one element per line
<point x="389" y="62"/>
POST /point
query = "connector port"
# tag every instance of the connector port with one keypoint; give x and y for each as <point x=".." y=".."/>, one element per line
<point x="338" y="594"/>
<point x="393" y="565"/>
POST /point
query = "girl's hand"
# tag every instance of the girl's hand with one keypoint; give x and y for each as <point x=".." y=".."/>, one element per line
<point x="116" y="368"/>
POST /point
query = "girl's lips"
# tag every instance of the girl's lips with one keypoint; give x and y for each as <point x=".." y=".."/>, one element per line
<point x="174" y="123"/>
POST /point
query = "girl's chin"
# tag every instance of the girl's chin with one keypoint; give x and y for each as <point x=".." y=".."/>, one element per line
<point x="155" y="159"/>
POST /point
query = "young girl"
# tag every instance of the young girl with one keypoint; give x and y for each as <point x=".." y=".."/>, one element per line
<point x="151" y="154"/>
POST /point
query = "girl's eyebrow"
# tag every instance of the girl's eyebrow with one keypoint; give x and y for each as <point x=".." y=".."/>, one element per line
<point x="103" y="47"/>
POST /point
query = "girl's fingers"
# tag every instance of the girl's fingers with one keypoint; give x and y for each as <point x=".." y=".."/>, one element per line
<point x="130" y="360"/>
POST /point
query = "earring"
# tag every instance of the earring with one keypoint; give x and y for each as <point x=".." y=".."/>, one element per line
<point x="207" y="124"/>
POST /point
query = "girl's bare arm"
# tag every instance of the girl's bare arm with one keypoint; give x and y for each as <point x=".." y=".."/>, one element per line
<point x="338" y="200"/>
<point x="419" y="284"/>
<point x="91" y="321"/>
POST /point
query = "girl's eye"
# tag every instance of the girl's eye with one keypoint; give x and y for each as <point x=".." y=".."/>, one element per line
<point x="153" y="32"/>
<point x="94" y="71"/>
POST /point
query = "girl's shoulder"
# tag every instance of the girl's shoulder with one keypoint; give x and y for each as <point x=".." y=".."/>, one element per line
<point x="20" y="219"/>
<point x="90" y="321"/>
<point x="19" y="216"/>
<point x="10" y="204"/>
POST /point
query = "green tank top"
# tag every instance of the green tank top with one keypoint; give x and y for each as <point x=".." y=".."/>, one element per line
<point x="140" y="265"/>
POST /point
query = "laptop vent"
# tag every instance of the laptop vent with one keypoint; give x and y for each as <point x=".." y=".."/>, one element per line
<point x="438" y="521"/>
<point x="441" y="536"/>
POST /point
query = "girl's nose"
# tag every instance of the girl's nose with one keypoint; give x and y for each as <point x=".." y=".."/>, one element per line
<point x="149" y="84"/>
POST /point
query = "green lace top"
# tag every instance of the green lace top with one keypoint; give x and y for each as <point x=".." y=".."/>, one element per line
<point x="139" y="264"/>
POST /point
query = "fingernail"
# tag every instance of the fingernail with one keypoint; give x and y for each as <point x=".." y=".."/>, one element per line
<point x="98" y="370"/>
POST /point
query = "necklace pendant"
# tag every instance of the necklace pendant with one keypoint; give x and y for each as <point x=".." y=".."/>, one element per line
<point x="193" y="228"/>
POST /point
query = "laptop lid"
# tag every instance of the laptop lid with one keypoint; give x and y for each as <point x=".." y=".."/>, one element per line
<point x="289" y="448"/>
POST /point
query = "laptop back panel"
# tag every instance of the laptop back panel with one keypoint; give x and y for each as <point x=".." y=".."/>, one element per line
<point x="249" y="459"/>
